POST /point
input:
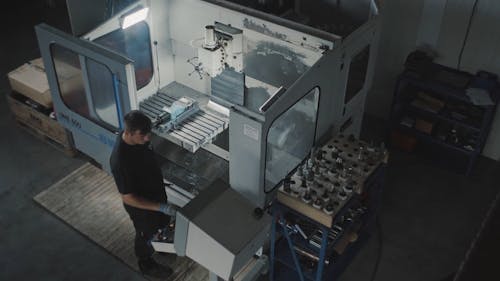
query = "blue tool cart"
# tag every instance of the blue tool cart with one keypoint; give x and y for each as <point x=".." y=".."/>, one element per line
<point x="304" y="248"/>
<point x="443" y="112"/>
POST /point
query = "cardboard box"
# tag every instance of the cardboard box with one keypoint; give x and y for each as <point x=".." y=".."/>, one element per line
<point x="402" y="141"/>
<point x="427" y="102"/>
<point x="424" y="126"/>
<point x="30" y="80"/>
<point x="41" y="125"/>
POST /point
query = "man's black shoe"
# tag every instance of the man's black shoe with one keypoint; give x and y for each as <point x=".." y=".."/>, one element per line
<point x="151" y="268"/>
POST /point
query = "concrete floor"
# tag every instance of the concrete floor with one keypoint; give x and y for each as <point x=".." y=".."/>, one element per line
<point x="428" y="216"/>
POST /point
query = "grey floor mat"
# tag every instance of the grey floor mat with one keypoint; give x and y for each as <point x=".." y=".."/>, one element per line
<point x="87" y="200"/>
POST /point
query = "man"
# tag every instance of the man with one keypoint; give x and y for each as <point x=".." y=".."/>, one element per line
<point x="140" y="183"/>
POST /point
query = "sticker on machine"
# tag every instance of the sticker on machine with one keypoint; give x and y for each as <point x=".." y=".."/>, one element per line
<point x="250" y="132"/>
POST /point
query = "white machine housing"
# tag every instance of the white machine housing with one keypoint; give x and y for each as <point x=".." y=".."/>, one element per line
<point x="273" y="87"/>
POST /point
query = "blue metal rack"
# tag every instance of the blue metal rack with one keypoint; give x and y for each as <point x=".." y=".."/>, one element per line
<point x="285" y="263"/>
<point x="411" y="81"/>
<point x="466" y="125"/>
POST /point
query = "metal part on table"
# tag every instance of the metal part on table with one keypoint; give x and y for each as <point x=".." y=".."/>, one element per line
<point x="327" y="180"/>
<point x="194" y="131"/>
<point x="178" y="111"/>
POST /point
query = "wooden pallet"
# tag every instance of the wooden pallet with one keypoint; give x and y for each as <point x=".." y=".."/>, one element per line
<point x="42" y="126"/>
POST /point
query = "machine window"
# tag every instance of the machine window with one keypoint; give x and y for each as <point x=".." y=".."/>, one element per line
<point x="70" y="80"/>
<point x="134" y="43"/>
<point x="357" y="74"/>
<point x="290" y="138"/>
<point x="102" y="92"/>
<point x="101" y="106"/>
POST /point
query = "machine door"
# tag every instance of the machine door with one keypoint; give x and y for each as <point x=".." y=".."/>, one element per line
<point x="91" y="88"/>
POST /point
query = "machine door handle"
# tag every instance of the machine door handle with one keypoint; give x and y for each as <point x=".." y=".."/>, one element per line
<point x="265" y="106"/>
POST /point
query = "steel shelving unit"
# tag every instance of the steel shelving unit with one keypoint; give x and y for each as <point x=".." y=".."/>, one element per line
<point x="457" y="128"/>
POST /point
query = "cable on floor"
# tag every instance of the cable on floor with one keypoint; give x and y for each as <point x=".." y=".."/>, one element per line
<point x="380" y="248"/>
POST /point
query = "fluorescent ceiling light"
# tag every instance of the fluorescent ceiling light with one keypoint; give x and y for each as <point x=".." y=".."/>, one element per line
<point x="135" y="17"/>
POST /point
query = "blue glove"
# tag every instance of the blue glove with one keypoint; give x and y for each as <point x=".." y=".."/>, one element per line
<point x="168" y="209"/>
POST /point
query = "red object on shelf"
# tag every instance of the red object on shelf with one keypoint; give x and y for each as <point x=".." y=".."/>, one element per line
<point x="402" y="141"/>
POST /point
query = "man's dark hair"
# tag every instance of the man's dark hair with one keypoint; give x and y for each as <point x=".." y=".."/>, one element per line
<point x="136" y="120"/>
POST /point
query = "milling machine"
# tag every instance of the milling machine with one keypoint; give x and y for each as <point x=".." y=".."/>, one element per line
<point x="238" y="99"/>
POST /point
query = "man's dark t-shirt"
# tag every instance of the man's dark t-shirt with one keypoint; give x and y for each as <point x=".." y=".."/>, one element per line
<point x="136" y="171"/>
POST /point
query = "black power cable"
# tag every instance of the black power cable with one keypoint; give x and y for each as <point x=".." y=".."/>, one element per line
<point x="469" y="24"/>
<point x="155" y="43"/>
<point x="380" y="248"/>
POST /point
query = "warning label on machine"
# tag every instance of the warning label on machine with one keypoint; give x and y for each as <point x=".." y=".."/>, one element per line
<point x="250" y="132"/>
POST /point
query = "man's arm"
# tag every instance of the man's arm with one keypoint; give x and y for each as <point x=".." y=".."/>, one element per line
<point x="139" y="202"/>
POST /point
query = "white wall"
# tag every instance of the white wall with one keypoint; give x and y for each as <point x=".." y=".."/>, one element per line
<point x="482" y="52"/>
<point x="441" y="25"/>
<point x="399" y="27"/>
